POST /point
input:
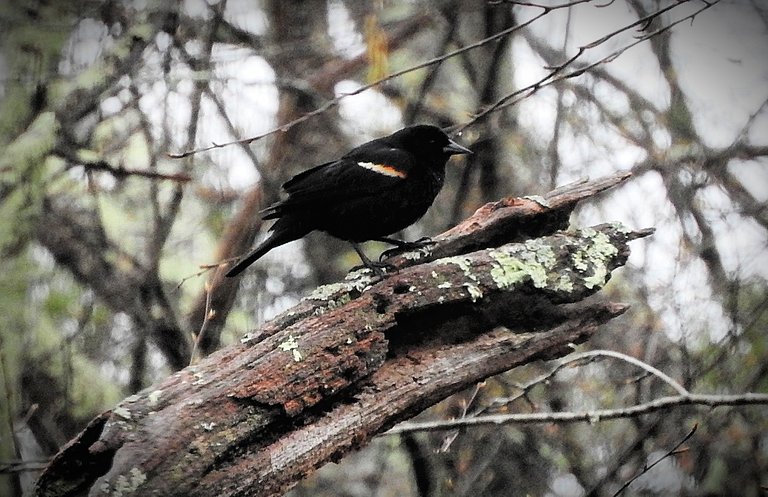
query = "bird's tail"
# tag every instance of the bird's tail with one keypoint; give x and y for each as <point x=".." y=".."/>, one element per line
<point x="280" y="236"/>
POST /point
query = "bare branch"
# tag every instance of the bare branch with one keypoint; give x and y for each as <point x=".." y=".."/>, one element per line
<point x="334" y="102"/>
<point x="543" y="6"/>
<point x="580" y="359"/>
<point x="120" y="171"/>
<point x="659" y="404"/>
<point x="741" y="137"/>
<point x="505" y="101"/>
<point x="683" y="398"/>
<point x="550" y="78"/>
<point x="636" y="362"/>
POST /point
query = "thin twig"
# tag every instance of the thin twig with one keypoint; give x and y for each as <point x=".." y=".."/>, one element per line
<point x="542" y="6"/>
<point x="648" y="467"/>
<point x="448" y="440"/>
<point x="22" y="465"/>
<point x="660" y="404"/>
<point x="121" y="171"/>
<point x="204" y="268"/>
<point x="414" y="106"/>
<point x="209" y="314"/>
<point x="741" y="136"/>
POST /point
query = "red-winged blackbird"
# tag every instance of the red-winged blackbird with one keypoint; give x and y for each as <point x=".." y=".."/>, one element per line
<point x="377" y="189"/>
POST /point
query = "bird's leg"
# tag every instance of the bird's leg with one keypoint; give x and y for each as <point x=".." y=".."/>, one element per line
<point x="403" y="246"/>
<point x="376" y="267"/>
<point x="392" y="241"/>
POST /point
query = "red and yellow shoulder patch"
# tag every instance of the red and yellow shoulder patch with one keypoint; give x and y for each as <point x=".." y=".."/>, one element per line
<point x="384" y="169"/>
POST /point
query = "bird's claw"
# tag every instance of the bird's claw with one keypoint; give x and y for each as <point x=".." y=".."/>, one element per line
<point x="407" y="247"/>
<point x="379" y="268"/>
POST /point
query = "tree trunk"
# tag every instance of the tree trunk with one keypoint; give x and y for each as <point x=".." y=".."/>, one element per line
<point x="358" y="356"/>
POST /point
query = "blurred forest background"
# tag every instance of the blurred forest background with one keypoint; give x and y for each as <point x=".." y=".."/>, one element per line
<point x="104" y="233"/>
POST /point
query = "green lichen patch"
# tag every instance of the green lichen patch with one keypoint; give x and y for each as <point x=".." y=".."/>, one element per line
<point x="533" y="260"/>
<point x="475" y="292"/>
<point x="464" y="263"/>
<point x="597" y="279"/>
<point x="291" y="345"/>
<point x="325" y="292"/>
<point x="621" y="228"/>
<point x="564" y="283"/>
<point x="594" y="257"/>
<point x="419" y="253"/>
<point x="579" y="262"/>
<point x="337" y="294"/>
<point x="154" y="397"/>
<point x="543" y="253"/>
<point x="200" y="378"/>
<point x="601" y="243"/>
<point x="507" y="270"/>
<point x="332" y="296"/>
<point x="344" y="298"/>
<point x="122" y="412"/>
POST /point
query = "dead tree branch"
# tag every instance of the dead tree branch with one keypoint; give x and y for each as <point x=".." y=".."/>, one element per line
<point x="356" y="357"/>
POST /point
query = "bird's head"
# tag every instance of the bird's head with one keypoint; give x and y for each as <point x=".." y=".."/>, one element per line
<point x="429" y="143"/>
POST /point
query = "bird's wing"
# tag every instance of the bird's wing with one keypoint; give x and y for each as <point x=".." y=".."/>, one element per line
<point x="356" y="175"/>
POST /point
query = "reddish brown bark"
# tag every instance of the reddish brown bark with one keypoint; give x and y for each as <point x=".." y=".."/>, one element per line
<point x="357" y="357"/>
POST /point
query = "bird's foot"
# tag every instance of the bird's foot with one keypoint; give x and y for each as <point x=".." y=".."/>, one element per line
<point x="378" y="268"/>
<point x="403" y="246"/>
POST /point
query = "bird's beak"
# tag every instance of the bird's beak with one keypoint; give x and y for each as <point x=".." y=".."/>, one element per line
<point x="454" y="148"/>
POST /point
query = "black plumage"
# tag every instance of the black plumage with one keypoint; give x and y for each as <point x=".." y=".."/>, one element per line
<point x="377" y="189"/>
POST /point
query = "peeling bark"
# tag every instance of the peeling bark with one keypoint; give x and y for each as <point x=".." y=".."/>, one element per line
<point x="356" y="357"/>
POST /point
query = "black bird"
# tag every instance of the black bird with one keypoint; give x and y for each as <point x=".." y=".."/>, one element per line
<point x="377" y="189"/>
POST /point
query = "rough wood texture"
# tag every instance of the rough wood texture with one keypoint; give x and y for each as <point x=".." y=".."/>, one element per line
<point x="356" y="357"/>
